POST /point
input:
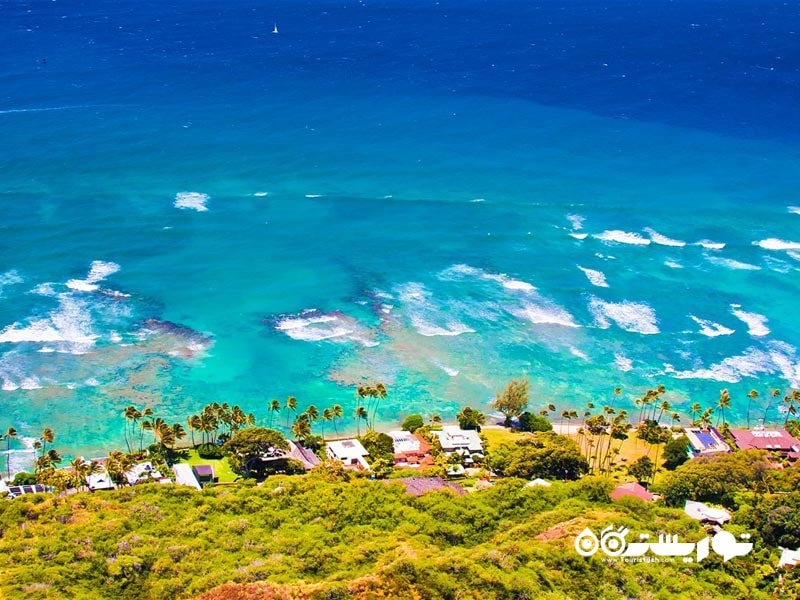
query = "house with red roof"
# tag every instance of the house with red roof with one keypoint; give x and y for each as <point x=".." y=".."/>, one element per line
<point x="410" y="450"/>
<point x="773" y="440"/>
<point x="632" y="489"/>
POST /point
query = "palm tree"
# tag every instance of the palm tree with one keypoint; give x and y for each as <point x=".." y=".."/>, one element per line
<point x="337" y="414"/>
<point x="695" y="409"/>
<point x="301" y="428"/>
<point x="327" y="415"/>
<point x="47" y="437"/>
<point x="146" y="412"/>
<point x="131" y="414"/>
<point x="751" y="395"/>
<point x="361" y="413"/>
<point x="436" y="420"/>
<point x="313" y="415"/>
<point x="274" y="407"/>
<point x="178" y="433"/>
<point x="665" y="406"/>
<point x="773" y="394"/>
<point x="291" y="404"/>
<point x="565" y="414"/>
<point x="10" y="433"/>
<point x="194" y="424"/>
<point x="724" y="402"/>
<point x="789" y="400"/>
<point x="379" y="393"/>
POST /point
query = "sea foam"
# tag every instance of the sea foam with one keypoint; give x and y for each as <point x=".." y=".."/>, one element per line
<point x="630" y="316"/>
<point x="794" y="209"/>
<point x="313" y="326"/>
<point x="755" y="322"/>
<point x="730" y="263"/>
<point x="710" y="328"/>
<point x="576" y="221"/>
<point x="776" y="244"/>
<point x="663" y="240"/>
<point x="709" y="245"/>
<point x="622" y="237"/>
<point x="192" y="200"/>
<point x="596" y="278"/>
<point x="98" y="271"/>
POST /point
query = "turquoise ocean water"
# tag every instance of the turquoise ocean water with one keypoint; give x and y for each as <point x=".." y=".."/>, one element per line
<point x="436" y="195"/>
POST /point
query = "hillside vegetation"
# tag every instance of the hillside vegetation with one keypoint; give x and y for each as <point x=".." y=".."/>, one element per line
<point x="323" y="538"/>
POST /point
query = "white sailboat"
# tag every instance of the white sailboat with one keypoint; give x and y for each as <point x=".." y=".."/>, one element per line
<point x="274" y="27"/>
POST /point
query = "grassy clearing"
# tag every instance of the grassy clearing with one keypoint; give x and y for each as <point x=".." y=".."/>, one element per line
<point x="500" y="435"/>
<point x="222" y="470"/>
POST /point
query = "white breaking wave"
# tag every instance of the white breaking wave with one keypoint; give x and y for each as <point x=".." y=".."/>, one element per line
<point x="776" y="244"/>
<point x="595" y="277"/>
<point x="777" y="358"/>
<point x="98" y="271"/>
<point x="630" y="316"/>
<point x="794" y="255"/>
<point x="544" y="313"/>
<point x="460" y="271"/>
<point x="313" y="326"/>
<point x="709" y="245"/>
<point x="449" y="370"/>
<point x="794" y="209"/>
<point x="576" y="221"/>
<point x="579" y="353"/>
<point x="755" y="322"/>
<point x="710" y="328"/>
<point x="192" y="200"/>
<point x="452" y="327"/>
<point x="623" y="363"/>
<point x="663" y="240"/>
<point x="622" y="237"/>
<point x="672" y="264"/>
<point x="313" y="195"/>
<point x="732" y="264"/>
<point x="260" y="194"/>
<point x="579" y="236"/>
<point x="70" y="324"/>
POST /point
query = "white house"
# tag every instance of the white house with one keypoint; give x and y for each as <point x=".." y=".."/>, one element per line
<point x="144" y="472"/>
<point x="350" y="452"/>
<point x="789" y="558"/>
<point x="99" y="481"/>
<point x="185" y="476"/>
<point x="702" y="512"/>
<point x="465" y="442"/>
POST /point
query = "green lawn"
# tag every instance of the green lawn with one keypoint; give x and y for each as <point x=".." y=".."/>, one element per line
<point x="222" y="470"/>
<point x="497" y="436"/>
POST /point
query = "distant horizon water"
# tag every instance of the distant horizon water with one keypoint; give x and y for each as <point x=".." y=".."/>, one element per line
<point x="437" y="195"/>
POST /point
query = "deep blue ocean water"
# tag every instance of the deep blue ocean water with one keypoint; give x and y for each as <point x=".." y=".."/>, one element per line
<point x="437" y="195"/>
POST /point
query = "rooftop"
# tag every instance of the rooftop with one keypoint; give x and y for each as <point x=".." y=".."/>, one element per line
<point x="631" y="489"/>
<point x="416" y="486"/>
<point x="760" y="438"/>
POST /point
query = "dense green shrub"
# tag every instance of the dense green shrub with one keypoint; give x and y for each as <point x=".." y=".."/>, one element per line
<point x="210" y="451"/>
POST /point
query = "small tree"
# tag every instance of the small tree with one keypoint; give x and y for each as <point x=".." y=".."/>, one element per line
<point x="676" y="452"/>
<point x="251" y="444"/>
<point x="529" y="422"/>
<point x="642" y="469"/>
<point x="514" y="399"/>
<point x="469" y="418"/>
<point x="412" y="423"/>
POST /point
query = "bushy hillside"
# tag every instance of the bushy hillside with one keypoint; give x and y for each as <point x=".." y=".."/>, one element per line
<point x="308" y="537"/>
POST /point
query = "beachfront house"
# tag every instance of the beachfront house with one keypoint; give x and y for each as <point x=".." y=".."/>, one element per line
<point x="349" y="452"/>
<point x="465" y="442"/>
<point x="789" y="558"/>
<point x="303" y="455"/>
<point x="184" y="475"/>
<point x="706" y="514"/>
<point x="703" y="442"/>
<point x="144" y="472"/>
<point x="99" y="481"/>
<point x="203" y="473"/>
<point x="773" y="440"/>
<point x="631" y="489"/>
<point x="410" y="450"/>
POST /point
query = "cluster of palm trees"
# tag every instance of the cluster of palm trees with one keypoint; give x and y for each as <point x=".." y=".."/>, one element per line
<point x="215" y="418"/>
<point x="163" y="433"/>
<point x="372" y="395"/>
<point x="47" y="459"/>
